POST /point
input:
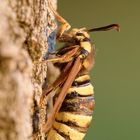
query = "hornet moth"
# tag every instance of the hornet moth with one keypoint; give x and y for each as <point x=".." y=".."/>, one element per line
<point x="74" y="98"/>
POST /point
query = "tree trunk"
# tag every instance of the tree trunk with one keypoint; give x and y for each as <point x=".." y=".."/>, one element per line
<point x="25" y="27"/>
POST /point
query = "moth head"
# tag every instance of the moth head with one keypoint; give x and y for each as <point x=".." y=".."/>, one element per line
<point x="83" y="33"/>
<point x="80" y="34"/>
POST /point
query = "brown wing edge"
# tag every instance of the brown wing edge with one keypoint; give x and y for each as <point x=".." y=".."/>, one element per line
<point x="68" y="82"/>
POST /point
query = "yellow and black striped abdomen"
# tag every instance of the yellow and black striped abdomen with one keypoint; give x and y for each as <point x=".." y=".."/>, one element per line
<point x="75" y="115"/>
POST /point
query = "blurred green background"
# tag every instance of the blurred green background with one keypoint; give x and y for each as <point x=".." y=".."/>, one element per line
<point x="116" y="76"/>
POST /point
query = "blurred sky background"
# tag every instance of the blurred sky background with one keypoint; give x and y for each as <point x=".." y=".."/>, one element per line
<point x="116" y="76"/>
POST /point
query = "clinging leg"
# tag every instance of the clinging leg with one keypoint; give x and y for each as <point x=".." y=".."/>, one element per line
<point x="65" y="25"/>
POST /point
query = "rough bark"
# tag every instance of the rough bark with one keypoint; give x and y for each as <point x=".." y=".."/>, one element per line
<point x="25" y="26"/>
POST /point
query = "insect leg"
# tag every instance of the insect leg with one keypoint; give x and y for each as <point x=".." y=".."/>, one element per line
<point x="46" y="92"/>
<point x="67" y="57"/>
<point x="60" y="80"/>
<point x="65" y="25"/>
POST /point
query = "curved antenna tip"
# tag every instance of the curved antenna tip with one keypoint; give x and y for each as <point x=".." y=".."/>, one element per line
<point x="106" y="28"/>
<point x="116" y="26"/>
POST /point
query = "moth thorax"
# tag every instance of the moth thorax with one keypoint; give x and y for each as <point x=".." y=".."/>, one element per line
<point x="86" y="45"/>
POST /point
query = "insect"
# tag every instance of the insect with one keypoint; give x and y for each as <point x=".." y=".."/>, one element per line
<point x="74" y="99"/>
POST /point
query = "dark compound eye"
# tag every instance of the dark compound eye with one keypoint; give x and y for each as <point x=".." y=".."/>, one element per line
<point x="79" y="34"/>
<point x="86" y="39"/>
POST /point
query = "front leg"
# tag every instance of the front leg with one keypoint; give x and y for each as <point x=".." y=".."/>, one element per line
<point x="68" y="56"/>
<point x="65" y="25"/>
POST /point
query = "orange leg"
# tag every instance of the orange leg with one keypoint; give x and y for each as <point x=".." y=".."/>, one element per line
<point x="65" y="25"/>
<point x="69" y="56"/>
